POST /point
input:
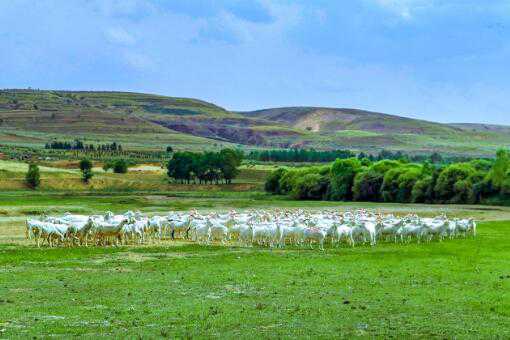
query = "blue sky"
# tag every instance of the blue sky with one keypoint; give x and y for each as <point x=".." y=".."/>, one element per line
<point x="437" y="60"/>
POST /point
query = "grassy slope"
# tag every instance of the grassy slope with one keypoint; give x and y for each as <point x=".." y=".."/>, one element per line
<point x="150" y="121"/>
<point x="35" y="117"/>
<point x="359" y="129"/>
<point x="457" y="288"/>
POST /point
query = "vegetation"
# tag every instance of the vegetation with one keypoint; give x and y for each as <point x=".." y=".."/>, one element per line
<point x="33" y="177"/>
<point x="298" y="155"/>
<point x="476" y="181"/>
<point x="79" y="145"/>
<point x="86" y="170"/>
<point x="207" y="167"/>
<point x="120" y="166"/>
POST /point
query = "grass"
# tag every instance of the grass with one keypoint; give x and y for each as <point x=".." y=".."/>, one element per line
<point x="452" y="289"/>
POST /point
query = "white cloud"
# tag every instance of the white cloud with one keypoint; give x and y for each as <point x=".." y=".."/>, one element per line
<point x="139" y="61"/>
<point x="404" y="8"/>
<point x="118" y="35"/>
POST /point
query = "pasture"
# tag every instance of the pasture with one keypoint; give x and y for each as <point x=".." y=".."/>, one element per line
<point x="456" y="288"/>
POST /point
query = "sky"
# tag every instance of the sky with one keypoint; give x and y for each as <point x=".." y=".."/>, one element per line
<point x="439" y="60"/>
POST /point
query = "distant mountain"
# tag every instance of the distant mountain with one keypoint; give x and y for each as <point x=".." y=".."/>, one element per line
<point x="31" y="117"/>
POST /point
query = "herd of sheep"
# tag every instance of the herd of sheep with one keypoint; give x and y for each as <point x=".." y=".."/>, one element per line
<point x="272" y="229"/>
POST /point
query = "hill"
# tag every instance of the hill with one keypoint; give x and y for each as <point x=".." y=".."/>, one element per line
<point x="32" y="117"/>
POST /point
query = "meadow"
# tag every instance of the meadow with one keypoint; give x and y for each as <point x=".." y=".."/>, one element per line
<point x="457" y="288"/>
<point x="176" y="289"/>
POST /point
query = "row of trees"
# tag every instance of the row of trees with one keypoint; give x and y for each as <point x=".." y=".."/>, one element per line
<point x="476" y="181"/>
<point x="206" y="167"/>
<point x="315" y="156"/>
<point x="79" y="145"/>
<point x="298" y="155"/>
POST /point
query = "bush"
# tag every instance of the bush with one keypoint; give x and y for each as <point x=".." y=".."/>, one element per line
<point x="33" y="177"/>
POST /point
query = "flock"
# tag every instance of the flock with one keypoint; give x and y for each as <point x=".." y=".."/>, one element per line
<point x="277" y="228"/>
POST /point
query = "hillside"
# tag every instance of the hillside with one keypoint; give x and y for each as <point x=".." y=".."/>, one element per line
<point x="32" y="117"/>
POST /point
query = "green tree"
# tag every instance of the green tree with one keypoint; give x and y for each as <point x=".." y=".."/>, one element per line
<point x="272" y="184"/>
<point x="310" y="186"/>
<point x="420" y="191"/>
<point x="342" y="176"/>
<point x="447" y="189"/>
<point x="86" y="170"/>
<point x="367" y="185"/>
<point x="180" y="167"/>
<point x="230" y="160"/>
<point x="499" y="169"/>
<point x="33" y="177"/>
<point x="120" y="166"/>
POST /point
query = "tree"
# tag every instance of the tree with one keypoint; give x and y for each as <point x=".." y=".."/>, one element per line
<point x="86" y="170"/>
<point x="272" y="184"/>
<point x="120" y="166"/>
<point x="311" y="186"/>
<point x="367" y="185"/>
<point x="447" y="187"/>
<point x="436" y="158"/>
<point x="169" y="149"/>
<point x="230" y="161"/>
<point x="33" y="177"/>
<point x="342" y="175"/>
<point x="499" y="169"/>
<point x="180" y="166"/>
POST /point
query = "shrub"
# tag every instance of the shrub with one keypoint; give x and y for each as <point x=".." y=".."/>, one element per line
<point x="33" y="177"/>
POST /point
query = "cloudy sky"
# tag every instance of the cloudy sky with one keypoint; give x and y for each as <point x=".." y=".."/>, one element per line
<point x="443" y="60"/>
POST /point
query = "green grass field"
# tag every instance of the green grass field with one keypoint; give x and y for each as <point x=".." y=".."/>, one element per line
<point x="457" y="288"/>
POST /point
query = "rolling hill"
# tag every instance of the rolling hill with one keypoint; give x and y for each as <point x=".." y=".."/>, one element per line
<point x="33" y="117"/>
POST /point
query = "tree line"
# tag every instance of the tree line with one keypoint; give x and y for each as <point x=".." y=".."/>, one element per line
<point x="79" y="145"/>
<point x="206" y="167"/>
<point x="354" y="179"/>
<point x="318" y="156"/>
<point x="298" y="155"/>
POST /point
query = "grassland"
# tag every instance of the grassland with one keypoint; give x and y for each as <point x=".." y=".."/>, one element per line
<point x="457" y="288"/>
<point x="175" y="289"/>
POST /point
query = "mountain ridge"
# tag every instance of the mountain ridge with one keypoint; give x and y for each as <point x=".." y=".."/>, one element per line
<point x="144" y="118"/>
